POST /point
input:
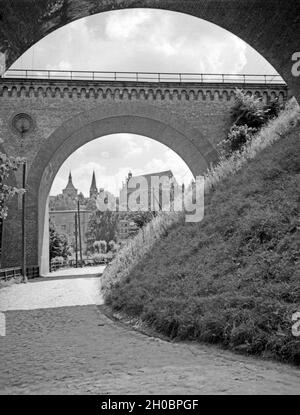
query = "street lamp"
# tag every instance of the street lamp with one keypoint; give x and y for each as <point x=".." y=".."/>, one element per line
<point x="23" y="127"/>
<point x="24" y="224"/>
<point x="22" y="123"/>
<point x="79" y="231"/>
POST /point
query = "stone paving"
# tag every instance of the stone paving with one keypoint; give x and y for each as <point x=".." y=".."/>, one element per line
<point x="76" y="349"/>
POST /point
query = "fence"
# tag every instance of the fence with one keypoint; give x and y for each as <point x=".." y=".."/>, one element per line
<point x="143" y="76"/>
<point x="8" y="273"/>
<point x="72" y="264"/>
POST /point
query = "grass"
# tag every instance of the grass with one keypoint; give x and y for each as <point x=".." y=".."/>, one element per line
<point x="233" y="278"/>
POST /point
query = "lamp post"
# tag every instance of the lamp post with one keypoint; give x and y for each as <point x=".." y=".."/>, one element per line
<point x="22" y="123"/>
<point x="24" y="279"/>
<point x="76" y="237"/>
<point x="23" y="128"/>
<point x="79" y="232"/>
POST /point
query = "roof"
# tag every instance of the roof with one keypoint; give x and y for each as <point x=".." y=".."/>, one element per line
<point x="159" y="174"/>
<point x="93" y="185"/>
<point x="70" y="184"/>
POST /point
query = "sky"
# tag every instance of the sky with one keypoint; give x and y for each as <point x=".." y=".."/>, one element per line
<point x="136" y="40"/>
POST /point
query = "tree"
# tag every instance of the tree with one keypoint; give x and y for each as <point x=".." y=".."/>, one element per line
<point x="102" y="226"/>
<point x="7" y="166"/>
<point x="238" y="137"/>
<point x="58" y="244"/>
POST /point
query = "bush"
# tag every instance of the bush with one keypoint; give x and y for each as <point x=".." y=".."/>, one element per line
<point x="249" y="115"/>
<point x="251" y="111"/>
<point x="248" y="110"/>
<point x="272" y="110"/>
<point x="58" y="243"/>
<point x="238" y="137"/>
<point x="102" y="258"/>
<point x="98" y="258"/>
<point x="58" y="260"/>
<point x="100" y="247"/>
<point x="112" y="246"/>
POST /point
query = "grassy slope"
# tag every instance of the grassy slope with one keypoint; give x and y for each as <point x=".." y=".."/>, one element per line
<point x="232" y="278"/>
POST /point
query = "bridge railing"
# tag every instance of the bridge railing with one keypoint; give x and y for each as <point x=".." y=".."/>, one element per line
<point x="143" y="76"/>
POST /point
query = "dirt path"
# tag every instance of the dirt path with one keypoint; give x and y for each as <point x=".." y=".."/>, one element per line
<point x="68" y="347"/>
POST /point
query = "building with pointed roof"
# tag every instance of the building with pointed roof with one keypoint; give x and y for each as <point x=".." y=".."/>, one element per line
<point x="63" y="208"/>
<point x="70" y="190"/>
<point x="93" y="188"/>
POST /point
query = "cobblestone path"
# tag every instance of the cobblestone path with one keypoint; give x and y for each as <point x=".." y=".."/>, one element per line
<point x="77" y="349"/>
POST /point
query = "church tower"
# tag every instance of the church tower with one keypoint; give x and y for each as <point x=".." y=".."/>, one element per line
<point x="70" y="188"/>
<point x="93" y="188"/>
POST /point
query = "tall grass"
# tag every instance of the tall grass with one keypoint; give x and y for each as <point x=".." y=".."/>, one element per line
<point x="135" y="249"/>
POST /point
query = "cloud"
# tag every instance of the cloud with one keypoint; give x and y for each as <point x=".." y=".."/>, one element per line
<point x="112" y="157"/>
<point x="63" y="65"/>
<point x="126" y="25"/>
<point x="59" y="183"/>
<point x="143" y="40"/>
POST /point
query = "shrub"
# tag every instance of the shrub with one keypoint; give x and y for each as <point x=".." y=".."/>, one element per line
<point x="101" y="258"/>
<point x="58" y="260"/>
<point x="238" y="137"/>
<point x="58" y="243"/>
<point x="98" y="258"/>
<point x="112" y="246"/>
<point x="272" y="110"/>
<point x="248" y="110"/>
<point x="249" y="114"/>
<point x="103" y="247"/>
<point x="100" y="247"/>
<point x="251" y="111"/>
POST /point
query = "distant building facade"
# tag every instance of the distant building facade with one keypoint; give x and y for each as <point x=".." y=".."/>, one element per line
<point x="64" y="221"/>
<point x="126" y="226"/>
<point x="146" y="187"/>
<point x="63" y="208"/>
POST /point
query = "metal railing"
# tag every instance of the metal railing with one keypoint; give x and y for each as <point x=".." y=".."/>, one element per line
<point x="143" y="76"/>
<point x="8" y="273"/>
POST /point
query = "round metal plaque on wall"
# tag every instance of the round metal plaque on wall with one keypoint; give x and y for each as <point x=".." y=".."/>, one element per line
<point x="22" y="123"/>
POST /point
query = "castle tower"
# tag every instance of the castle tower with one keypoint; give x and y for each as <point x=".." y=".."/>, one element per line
<point x="93" y="188"/>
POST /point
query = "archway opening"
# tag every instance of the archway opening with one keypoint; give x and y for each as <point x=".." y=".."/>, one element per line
<point x="103" y="166"/>
<point x="174" y="138"/>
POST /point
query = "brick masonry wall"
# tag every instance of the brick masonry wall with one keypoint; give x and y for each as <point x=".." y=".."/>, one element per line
<point x="202" y="113"/>
<point x="50" y="104"/>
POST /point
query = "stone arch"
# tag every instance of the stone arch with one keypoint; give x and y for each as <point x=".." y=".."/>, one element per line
<point x="239" y="18"/>
<point x="116" y="117"/>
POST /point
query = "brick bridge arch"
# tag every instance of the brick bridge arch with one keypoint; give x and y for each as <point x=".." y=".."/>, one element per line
<point x="136" y="118"/>
<point x="271" y="27"/>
